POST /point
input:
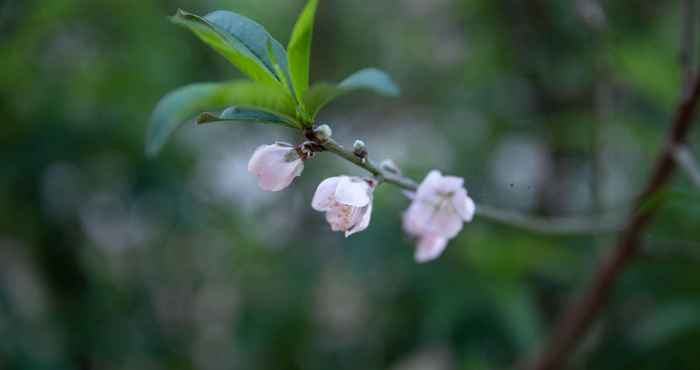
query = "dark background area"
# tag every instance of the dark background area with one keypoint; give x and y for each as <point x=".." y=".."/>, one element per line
<point x="110" y="260"/>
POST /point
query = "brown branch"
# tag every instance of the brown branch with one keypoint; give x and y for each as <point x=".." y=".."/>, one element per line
<point x="576" y="320"/>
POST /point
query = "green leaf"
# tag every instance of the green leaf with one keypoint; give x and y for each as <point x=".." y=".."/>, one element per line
<point x="188" y="101"/>
<point x="281" y="70"/>
<point x="239" y="39"/>
<point x="237" y="114"/>
<point x="299" y="48"/>
<point x="367" y="79"/>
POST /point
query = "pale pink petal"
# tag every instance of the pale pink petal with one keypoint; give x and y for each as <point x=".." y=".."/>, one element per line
<point x="429" y="248"/>
<point x="445" y="221"/>
<point x="366" y="215"/>
<point x="424" y="218"/>
<point x="352" y="191"/>
<point x="450" y="184"/>
<point x="274" y="172"/>
<point x="258" y="159"/>
<point x="325" y="194"/>
<point x="279" y="175"/>
<point x="464" y="205"/>
<point x="429" y="187"/>
<point x="415" y="217"/>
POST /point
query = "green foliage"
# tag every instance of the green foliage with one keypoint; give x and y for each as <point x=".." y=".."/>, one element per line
<point x="236" y="114"/>
<point x="282" y="81"/>
<point x="186" y="102"/>
<point x="299" y="48"/>
<point x="370" y="79"/>
<point x="240" y="40"/>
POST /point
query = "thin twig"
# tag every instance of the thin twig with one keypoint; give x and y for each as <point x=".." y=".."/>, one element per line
<point x="576" y="320"/>
<point x="684" y="158"/>
<point x="559" y="226"/>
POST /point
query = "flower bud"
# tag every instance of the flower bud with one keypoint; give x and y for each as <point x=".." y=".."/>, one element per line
<point x="323" y="132"/>
<point x="359" y="145"/>
<point x="359" y="149"/>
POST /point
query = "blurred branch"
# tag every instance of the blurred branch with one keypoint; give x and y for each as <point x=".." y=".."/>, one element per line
<point x="553" y="226"/>
<point x="687" y="47"/>
<point x="572" y="326"/>
<point x="684" y="158"/>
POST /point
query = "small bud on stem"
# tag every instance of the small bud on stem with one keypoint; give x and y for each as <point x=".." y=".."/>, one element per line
<point x="323" y="133"/>
<point x="359" y="145"/>
<point x="359" y="149"/>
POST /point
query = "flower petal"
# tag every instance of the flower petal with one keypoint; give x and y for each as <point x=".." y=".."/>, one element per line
<point x="279" y="175"/>
<point x="415" y="217"/>
<point x="325" y="194"/>
<point x="258" y="159"/>
<point x="449" y="184"/>
<point x="464" y="205"/>
<point x="366" y="215"/>
<point x="274" y="171"/>
<point x="429" y="248"/>
<point x="423" y="218"/>
<point x="429" y="187"/>
<point x="445" y="221"/>
<point x="352" y="191"/>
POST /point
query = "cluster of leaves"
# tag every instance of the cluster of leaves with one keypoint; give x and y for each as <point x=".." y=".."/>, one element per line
<point x="278" y="91"/>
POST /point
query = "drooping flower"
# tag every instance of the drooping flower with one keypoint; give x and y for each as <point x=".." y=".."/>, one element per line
<point x="439" y="209"/>
<point x="275" y="165"/>
<point x="347" y="202"/>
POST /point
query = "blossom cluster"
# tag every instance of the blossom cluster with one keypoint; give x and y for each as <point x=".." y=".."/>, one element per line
<point x="438" y="209"/>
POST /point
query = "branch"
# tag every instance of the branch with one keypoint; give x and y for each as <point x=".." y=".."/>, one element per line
<point x="684" y="157"/>
<point x="565" y="226"/>
<point x="576" y="320"/>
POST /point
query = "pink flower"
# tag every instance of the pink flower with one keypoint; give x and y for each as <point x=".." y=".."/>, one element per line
<point x="347" y="202"/>
<point x="275" y="166"/>
<point x="437" y="213"/>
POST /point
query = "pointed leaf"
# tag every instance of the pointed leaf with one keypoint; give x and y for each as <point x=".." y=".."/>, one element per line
<point x="239" y="39"/>
<point x="237" y="114"/>
<point x="281" y="70"/>
<point x="299" y="48"/>
<point x="367" y="79"/>
<point x="188" y="101"/>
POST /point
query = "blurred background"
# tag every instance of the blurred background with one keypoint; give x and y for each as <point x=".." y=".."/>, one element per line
<point x="110" y="260"/>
